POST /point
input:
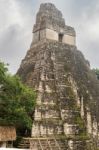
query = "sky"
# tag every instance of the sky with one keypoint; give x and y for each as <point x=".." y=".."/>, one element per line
<point x="16" y="24"/>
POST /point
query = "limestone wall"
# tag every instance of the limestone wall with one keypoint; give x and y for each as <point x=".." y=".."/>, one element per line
<point x="42" y="129"/>
<point x="39" y="35"/>
<point x="53" y="35"/>
<point x="69" y="39"/>
<point x="50" y="34"/>
<point x="36" y="36"/>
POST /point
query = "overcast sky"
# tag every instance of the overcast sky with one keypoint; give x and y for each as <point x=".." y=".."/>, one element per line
<point x="18" y="16"/>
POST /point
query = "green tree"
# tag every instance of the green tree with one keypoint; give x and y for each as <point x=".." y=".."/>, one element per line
<point x="17" y="101"/>
<point x="96" y="72"/>
<point x="3" y="70"/>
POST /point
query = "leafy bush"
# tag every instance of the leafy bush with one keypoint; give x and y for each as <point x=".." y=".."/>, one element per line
<point x="17" y="101"/>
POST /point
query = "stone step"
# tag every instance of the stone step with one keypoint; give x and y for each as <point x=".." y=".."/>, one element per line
<point x="51" y="145"/>
<point x="25" y="143"/>
<point x="42" y="144"/>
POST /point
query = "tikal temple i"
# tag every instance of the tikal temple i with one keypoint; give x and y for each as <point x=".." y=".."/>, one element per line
<point x="66" y="114"/>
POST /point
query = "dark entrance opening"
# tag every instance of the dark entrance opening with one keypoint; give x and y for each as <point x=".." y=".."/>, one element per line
<point x="39" y="36"/>
<point x="60" y="37"/>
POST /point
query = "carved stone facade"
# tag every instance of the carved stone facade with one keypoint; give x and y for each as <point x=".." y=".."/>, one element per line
<point x="51" y="25"/>
<point x="66" y="88"/>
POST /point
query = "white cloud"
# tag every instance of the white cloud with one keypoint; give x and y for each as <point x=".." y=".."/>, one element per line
<point x="9" y="13"/>
<point x="15" y="33"/>
<point x="17" y="18"/>
<point x="88" y="33"/>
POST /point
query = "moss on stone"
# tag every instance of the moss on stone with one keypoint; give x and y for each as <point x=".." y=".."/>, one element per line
<point x="51" y="121"/>
<point x="67" y="60"/>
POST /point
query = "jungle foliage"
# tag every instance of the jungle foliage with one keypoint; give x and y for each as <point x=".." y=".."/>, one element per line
<point x="17" y="101"/>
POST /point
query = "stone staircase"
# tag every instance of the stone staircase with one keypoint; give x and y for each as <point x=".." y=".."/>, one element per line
<point x="43" y="144"/>
<point x="24" y="143"/>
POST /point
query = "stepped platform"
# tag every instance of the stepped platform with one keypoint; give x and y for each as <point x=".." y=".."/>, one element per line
<point x="55" y="143"/>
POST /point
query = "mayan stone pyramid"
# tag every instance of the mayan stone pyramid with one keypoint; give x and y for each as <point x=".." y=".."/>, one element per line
<point x="67" y="106"/>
